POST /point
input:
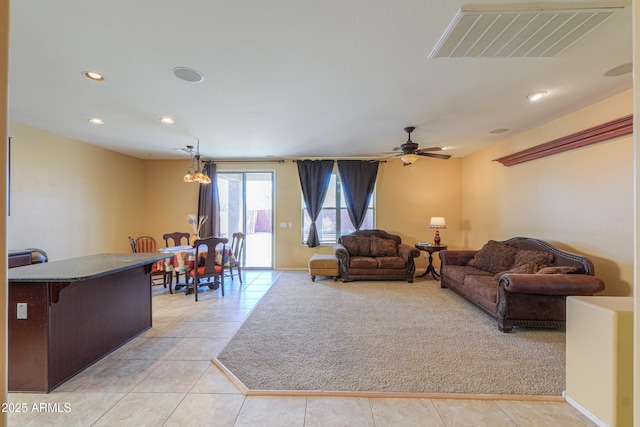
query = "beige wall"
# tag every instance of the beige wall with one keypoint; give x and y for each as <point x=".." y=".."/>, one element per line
<point x="580" y="200"/>
<point x="71" y="198"/>
<point x="167" y="200"/>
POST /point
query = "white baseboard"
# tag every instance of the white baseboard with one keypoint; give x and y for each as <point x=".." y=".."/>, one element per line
<point x="584" y="411"/>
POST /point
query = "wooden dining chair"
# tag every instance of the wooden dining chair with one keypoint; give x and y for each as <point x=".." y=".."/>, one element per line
<point x="235" y="256"/>
<point x="206" y="267"/>
<point x="147" y="244"/>
<point x="175" y="238"/>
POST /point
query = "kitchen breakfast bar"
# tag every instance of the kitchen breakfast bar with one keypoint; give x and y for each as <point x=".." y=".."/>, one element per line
<point x="65" y="315"/>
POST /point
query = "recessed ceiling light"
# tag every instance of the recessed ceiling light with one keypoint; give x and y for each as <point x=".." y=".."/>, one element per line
<point x="620" y="70"/>
<point x="188" y="74"/>
<point x="167" y="120"/>
<point x="96" y="121"/>
<point x="499" y="130"/>
<point x="536" y="95"/>
<point x="92" y="75"/>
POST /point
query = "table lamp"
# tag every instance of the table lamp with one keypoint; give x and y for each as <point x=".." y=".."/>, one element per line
<point x="437" y="222"/>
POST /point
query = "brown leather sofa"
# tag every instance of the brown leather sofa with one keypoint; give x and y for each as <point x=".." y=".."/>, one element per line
<point x="520" y="281"/>
<point x="375" y="255"/>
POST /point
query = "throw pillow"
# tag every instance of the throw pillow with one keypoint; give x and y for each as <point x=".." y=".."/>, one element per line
<point x="494" y="257"/>
<point x="364" y="245"/>
<point x="560" y="269"/>
<point x="539" y="258"/>
<point x="383" y="247"/>
<point x="351" y="245"/>
<point x="528" y="268"/>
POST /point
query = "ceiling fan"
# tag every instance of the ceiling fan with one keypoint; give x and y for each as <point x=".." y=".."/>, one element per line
<point x="409" y="151"/>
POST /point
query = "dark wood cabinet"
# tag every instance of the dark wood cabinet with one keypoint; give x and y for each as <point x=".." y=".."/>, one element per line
<point x="74" y="313"/>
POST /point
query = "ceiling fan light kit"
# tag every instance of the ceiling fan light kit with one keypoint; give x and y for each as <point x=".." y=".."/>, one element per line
<point x="409" y="159"/>
<point x="411" y="153"/>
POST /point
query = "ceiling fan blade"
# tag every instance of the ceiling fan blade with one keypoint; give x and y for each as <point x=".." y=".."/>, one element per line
<point x="429" y="149"/>
<point x="188" y="149"/>
<point x="435" y="156"/>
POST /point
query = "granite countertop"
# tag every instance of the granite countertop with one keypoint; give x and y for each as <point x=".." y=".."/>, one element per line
<point x="81" y="268"/>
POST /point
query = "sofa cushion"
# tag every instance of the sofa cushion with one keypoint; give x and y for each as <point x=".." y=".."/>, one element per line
<point x="559" y="269"/>
<point x="494" y="257"/>
<point x="457" y="273"/>
<point x="539" y="258"/>
<point x="363" y="262"/>
<point x="485" y="286"/>
<point x="391" y="262"/>
<point x="383" y="247"/>
<point x="357" y="245"/>
<point x="528" y="268"/>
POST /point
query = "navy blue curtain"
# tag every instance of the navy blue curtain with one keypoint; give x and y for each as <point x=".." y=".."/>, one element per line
<point x="358" y="178"/>
<point x="314" y="180"/>
<point x="209" y="203"/>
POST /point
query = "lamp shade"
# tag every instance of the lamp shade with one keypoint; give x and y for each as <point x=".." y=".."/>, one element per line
<point x="409" y="158"/>
<point x="437" y="222"/>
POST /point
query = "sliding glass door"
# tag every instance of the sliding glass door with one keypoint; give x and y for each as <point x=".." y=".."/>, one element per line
<point x="246" y="205"/>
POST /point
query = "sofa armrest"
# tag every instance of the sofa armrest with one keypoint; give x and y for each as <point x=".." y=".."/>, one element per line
<point x="407" y="252"/>
<point x="456" y="257"/>
<point x="343" y="259"/>
<point x="552" y="284"/>
<point x="340" y="251"/>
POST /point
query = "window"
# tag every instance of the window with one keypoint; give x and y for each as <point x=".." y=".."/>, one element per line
<point x="333" y="220"/>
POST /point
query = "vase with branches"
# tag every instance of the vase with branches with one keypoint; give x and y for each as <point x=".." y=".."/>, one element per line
<point x="196" y="223"/>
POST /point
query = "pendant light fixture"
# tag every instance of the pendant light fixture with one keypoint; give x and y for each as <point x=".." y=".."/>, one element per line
<point x="196" y="172"/>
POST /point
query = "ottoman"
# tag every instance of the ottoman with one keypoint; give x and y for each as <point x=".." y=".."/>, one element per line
<point x="323" y="265"/>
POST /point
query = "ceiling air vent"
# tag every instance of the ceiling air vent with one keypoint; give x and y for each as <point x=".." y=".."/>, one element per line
<point x="518" y="33"/>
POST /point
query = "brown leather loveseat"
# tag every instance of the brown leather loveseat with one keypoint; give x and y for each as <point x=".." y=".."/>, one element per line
<point x="520" y="282"/>
<point x="375" y="255"/>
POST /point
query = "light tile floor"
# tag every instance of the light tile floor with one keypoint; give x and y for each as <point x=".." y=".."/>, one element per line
<point x="165" y="378"/>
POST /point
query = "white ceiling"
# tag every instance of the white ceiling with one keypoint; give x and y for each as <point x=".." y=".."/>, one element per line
<point x="288" y="78"/>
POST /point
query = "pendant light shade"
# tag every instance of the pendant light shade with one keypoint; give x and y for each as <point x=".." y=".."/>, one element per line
<point x="196" y="172"/>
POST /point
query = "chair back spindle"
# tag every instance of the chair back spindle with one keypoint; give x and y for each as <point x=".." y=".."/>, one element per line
<point x="146" y="245"/>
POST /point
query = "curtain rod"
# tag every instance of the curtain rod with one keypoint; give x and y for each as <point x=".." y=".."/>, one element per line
<point x="369" y="160"/>
<point x="275" y="160"/>
<point x="246" y="161"/>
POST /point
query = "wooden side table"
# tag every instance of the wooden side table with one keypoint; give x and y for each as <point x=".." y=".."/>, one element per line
<point x="431" y="249"/>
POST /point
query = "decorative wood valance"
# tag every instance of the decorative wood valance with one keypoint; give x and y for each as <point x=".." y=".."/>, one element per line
<point x="613" y="129"/>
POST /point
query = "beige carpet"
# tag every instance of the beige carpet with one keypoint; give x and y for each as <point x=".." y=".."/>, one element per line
<point x="387" y="337"/>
